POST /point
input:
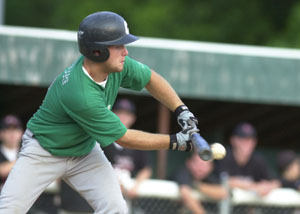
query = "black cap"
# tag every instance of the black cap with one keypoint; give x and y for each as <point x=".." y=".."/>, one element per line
<point x="124" y="104"/>
<point x="244" y="130"/>
<point x="10" y="121"/>
<point x="285" y="158"/>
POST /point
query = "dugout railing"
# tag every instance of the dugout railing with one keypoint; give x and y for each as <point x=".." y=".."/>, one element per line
<point x="163" y="197"/>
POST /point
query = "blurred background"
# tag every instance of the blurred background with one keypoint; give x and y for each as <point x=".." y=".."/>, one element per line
<point x="230" y="61"/>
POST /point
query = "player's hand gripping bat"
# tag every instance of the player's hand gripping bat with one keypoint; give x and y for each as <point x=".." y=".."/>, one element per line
<point x="201" y="146"/>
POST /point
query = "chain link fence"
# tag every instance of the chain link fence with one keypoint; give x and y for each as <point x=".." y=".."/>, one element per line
<point x="170" y="206"/>
<point x="162" y="197"/>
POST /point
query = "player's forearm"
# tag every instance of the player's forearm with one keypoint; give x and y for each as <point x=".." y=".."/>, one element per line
<point x="161" y="90"/>
<point x="135" y="139"/>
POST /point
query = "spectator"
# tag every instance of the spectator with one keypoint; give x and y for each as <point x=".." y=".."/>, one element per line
<point x="288" y="164"/>
<point x="198" y="174"/>
<point x="246" y="168"/>
<point x="128" y="162"/>
<point x="10" y="136"/>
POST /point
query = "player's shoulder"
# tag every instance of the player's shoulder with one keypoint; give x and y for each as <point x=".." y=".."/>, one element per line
<point x="77" y="89"/>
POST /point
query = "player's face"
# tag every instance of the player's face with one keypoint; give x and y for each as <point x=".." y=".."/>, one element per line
<point x="116" y="58"/>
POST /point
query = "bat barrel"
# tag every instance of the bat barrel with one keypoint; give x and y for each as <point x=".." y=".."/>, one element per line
<point x="202" y="147"/>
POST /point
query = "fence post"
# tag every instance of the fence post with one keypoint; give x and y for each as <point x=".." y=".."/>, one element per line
<point x="225" y="204"/>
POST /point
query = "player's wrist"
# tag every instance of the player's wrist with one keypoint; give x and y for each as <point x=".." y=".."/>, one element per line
<point x="180" y="109"/>
<point x="180" y="142"/>
<point x="173" y="142"/>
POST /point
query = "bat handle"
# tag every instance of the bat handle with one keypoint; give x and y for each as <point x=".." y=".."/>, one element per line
<point x="202" y="147"/>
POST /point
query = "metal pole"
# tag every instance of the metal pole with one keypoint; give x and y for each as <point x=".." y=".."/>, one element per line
<point x="225" y="204"/>
<point x="2" y="11"/>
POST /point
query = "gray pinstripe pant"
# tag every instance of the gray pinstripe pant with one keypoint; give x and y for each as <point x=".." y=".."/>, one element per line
<point x="91" y="175"/>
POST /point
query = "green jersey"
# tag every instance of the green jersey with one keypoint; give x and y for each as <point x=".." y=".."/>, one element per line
<point x="76" y="110"/>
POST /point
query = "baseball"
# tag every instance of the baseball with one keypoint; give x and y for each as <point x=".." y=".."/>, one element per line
<point x="218" y="151"/>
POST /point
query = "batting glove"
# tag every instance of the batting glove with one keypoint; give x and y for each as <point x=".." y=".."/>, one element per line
<point x="185" y="118"/>
<point x="182" y="141"/>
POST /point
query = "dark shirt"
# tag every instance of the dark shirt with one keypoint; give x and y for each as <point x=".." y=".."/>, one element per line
<point x="184" y="177"/>
<point x="72" y="201"/>
<point x="290" y="184"/>
<point x="256" y="169"/>
<point x="2" y="160"/>
<point x="128" y="159"/>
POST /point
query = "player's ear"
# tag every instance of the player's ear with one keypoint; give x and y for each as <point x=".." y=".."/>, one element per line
<point x="96" y="53"/>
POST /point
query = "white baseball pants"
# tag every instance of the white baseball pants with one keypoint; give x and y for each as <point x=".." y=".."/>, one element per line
<point x="91" y="175"/>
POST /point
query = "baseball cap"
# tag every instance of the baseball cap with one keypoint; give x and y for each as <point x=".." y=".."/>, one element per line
<point x="10" y="121"/>
<point x="244" y="130"/>
<point x="124" y="104"/>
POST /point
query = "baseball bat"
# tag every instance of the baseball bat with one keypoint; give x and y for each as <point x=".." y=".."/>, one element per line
<point x="202" y="147"/>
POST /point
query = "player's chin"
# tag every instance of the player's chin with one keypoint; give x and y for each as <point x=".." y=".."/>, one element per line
<point x="117" y="69"/>
<point x="120" y="68"/>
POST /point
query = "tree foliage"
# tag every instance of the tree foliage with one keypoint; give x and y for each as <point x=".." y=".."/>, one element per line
<point x="256" y="22"/>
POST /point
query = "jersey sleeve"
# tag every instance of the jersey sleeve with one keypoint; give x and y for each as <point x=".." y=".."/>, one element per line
<point x="99" y="123"/>
<point x="136" y="75"/>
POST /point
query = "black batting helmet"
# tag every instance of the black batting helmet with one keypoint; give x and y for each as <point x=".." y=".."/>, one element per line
<point x="99" y="30"/>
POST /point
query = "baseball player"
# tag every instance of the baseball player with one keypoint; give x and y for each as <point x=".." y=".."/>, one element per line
<point x="62" y="138"/>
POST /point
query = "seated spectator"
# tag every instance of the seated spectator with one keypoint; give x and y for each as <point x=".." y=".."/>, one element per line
<point x="197" y="174"/>
<point x="288" y="163"/>
<point x="246" y="168"/>
<point x="11" y="132"/>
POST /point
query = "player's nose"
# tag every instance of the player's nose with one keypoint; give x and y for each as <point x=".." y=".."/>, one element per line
<point x="125" y="51"/>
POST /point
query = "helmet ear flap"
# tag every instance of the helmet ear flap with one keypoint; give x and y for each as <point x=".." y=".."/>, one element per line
<point x="100" y="53"/>
<point x="95" y="52"/>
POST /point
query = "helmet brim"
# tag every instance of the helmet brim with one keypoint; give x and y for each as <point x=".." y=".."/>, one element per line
<point x="128" y="38"/>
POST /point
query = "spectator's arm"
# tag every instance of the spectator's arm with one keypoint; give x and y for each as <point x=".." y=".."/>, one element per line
<point x="214" y="191"/>
<point x="142" y="175"/>
<point x="5" y="168"/>
<point x="236" y="182"/>
<point x="265" y="187"/>
<point x="189" y="201"/>
<point x="262" y="188"/>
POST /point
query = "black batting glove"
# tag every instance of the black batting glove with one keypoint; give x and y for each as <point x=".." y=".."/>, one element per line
<point x="182" y="141"/>
<point x="185" y="118"/>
